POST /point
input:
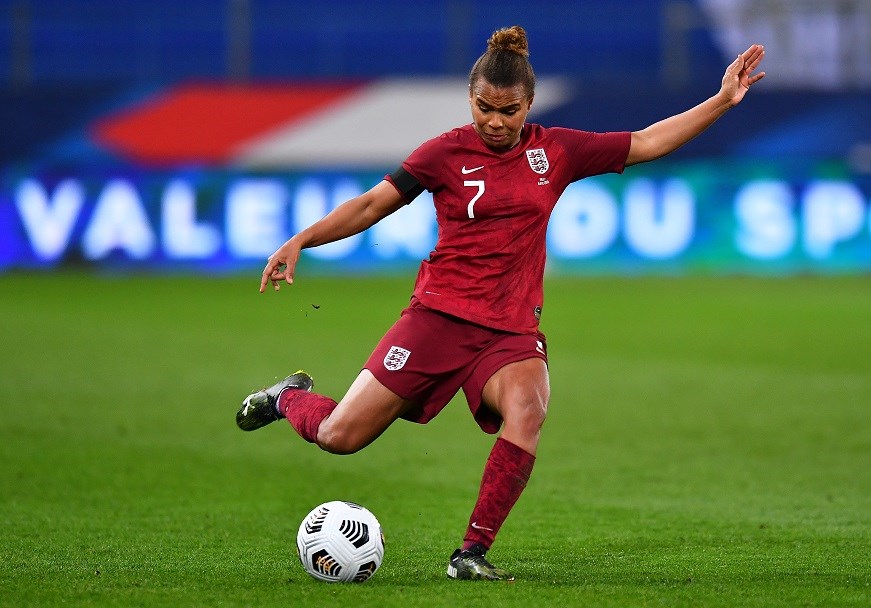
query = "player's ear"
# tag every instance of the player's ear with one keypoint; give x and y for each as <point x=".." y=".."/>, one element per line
<point x="531" y="97"/>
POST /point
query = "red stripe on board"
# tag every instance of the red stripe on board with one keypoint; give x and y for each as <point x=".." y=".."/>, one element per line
<point x="205" y="124"/>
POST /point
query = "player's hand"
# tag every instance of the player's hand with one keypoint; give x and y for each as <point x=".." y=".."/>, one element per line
<point x="280" y="266"/>
<point x="739" y="76"/>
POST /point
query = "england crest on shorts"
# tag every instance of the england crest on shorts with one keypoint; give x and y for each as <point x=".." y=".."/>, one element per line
<point x="396" y="358"/>
<point x="538" y="160"/>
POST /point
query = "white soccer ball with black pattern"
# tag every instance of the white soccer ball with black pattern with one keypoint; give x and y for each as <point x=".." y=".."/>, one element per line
<point x="340" y="542"/>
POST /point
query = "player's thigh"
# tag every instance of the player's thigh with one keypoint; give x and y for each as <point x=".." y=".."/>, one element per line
<point x="519" y="390"/>
<point x="366" y="410"/>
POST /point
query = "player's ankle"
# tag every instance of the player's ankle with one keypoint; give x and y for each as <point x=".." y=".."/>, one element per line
<point x="475" y="547"/>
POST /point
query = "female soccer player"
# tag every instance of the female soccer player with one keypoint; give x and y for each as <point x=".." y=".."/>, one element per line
<point x="472" y="322"/>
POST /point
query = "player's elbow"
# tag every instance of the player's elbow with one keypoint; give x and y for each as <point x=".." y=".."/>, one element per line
<point x="378" y="203"/>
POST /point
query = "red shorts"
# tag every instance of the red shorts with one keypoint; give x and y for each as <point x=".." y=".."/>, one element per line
<point x="427" y="356"/>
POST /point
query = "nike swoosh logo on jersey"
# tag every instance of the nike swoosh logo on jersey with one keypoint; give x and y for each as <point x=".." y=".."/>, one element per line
<point x="467" y="171"/>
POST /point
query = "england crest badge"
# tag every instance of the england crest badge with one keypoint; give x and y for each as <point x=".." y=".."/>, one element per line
<point x="395" y="358"/>
<point x="538" y="160"/>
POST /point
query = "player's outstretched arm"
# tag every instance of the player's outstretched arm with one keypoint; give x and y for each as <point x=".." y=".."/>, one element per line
<point x="349" y="218"/>
<point x="668" y="135"/>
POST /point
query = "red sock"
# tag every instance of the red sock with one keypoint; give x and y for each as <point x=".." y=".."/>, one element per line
<point x="505" y="475"/>
<point x="305" y="411"/>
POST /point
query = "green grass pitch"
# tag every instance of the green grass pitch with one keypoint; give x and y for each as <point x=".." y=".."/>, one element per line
<point x="708" y="444"/>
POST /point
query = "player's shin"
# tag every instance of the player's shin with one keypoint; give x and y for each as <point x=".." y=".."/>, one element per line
<point x="505" y="476"/>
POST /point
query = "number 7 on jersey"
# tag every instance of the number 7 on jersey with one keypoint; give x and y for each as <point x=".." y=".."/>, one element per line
<point x="479" y="183"/>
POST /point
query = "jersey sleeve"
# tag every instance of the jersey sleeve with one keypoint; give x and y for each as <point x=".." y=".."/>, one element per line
<point x="425" y="163"/>
<point x="405" y="183"/>
<point x="590" y="153"/>
<point x="420" y="171"/>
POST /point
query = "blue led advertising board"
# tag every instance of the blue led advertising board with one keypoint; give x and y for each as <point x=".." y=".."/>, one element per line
<point x="662" y="218"/>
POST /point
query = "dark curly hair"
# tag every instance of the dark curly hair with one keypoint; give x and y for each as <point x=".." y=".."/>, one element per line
<point x="506" y="61"/>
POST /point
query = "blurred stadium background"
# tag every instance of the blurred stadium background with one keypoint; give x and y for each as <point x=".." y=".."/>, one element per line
<point x="185" y="135"/>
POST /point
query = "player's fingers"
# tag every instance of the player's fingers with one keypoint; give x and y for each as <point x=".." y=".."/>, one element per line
<point x="276" y="276"/>
<point x="264" y="279"/>
<point x="754" y="61"/>
<point x="735" y="67"/>
<point x="753" y="56"/>
<point x="269" y="271"/>
<point x="752" y="51"/>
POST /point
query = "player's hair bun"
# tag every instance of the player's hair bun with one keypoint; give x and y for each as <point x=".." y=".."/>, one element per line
<point x="509" y="39"/>
<point x="506" y="62"/>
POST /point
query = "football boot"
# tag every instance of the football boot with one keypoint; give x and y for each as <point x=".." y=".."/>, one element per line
<point x="260" y="408"/>
<point x="472" y="565"/>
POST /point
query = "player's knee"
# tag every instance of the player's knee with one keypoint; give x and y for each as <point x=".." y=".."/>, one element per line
<point x="535" y="413"/>
<point x="337" y="440"/>
<point x="528" y="413"/>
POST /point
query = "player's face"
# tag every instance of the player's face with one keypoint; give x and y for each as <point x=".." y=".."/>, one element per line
<point x="499" y="113"/>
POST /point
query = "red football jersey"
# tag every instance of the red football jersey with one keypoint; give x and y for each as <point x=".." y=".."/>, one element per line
<point x="492" y="209"/>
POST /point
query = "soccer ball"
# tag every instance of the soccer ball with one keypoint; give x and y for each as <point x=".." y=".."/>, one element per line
<point x="340" y="542"/>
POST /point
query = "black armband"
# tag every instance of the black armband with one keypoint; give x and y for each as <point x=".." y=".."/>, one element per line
<point x="406" y="183"/>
